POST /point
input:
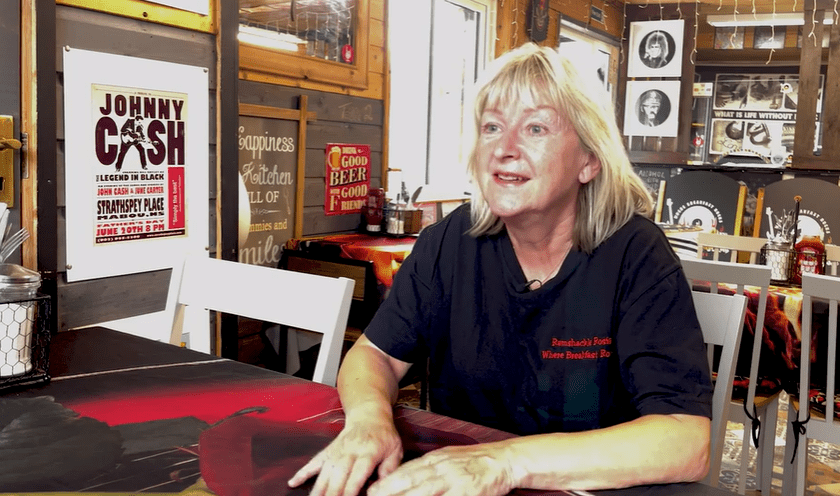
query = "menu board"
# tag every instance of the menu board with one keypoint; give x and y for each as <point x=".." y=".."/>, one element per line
<point x="268" y="152"/>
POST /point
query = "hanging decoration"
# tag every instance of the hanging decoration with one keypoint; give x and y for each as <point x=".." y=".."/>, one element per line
<point x="538" y="20"/>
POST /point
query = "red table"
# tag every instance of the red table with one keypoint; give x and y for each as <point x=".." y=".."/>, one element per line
<point x="386" y="252"/>
<point x="124" y="414"/>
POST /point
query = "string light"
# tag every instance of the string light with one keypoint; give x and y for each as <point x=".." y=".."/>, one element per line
<point x="734" y="18"/>
<point x="515" y="25"/>
<point x="693" y="57"/>
<point x="679" y="10"/>
<point x="623" y="38"/>
<point x="813" y="23"/>
<point x="661" y="13"/>
<point x="772" y="32"/>
<point x="501" y="9"/>
<point x="835" y="12"/>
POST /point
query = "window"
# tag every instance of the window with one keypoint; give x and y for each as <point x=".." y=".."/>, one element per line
<point x="319" y="40"/>
<point x="438" y="48"/>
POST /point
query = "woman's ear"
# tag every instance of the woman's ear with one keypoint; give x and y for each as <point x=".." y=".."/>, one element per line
<point x="590" y="169"/>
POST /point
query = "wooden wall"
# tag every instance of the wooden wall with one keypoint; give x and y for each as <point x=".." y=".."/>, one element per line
<point x="512" y="20"/>
<point x="343" y="115"/>
<point x="339" y="119"/>
<point x="88" y="302"/>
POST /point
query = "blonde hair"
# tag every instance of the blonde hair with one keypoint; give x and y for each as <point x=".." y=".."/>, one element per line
<point x="541" y="74"/>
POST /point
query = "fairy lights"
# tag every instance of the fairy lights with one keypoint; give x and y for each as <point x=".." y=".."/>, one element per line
<point x="693" y="57"/>
<point x="772" y="32"/>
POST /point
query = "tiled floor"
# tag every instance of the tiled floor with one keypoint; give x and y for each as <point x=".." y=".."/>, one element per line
<point x="823" y="461"/>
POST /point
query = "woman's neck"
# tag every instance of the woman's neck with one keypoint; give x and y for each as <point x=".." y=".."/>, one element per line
<point x="541" y="254"/>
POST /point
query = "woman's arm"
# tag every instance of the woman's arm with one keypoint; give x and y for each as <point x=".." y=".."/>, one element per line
<point x="367" y="386"/>
<point x="650" y="450"/>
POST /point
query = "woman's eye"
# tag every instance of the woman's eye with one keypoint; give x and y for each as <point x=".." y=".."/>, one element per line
<point x="490" y="128"/>
<point x="536" y="129"/>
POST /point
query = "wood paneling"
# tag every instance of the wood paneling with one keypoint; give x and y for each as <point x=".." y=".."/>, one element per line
<point x="338" y="119"/>
<point x="100" y="300"/>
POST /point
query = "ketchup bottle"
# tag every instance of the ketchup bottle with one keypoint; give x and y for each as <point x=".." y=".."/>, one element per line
<point x="373" y="211"/>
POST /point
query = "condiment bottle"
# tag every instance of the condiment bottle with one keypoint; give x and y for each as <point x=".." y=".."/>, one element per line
<point x="374" y="210"/>
<point x="810" y="257"/>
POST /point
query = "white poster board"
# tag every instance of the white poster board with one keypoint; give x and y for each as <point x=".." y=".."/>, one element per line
<point x="198" y="6"/>
<point x="656" y="48"/>
<point x="652" y="108"/>
<point x="136" y="163"/>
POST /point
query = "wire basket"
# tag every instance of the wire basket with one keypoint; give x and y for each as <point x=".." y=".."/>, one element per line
<point x="782" y="262"/>
<point x="24" y="342"/>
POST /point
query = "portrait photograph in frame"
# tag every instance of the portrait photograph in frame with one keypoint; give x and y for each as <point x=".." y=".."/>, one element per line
<point x="767" y="37"/>
<point x="656" y="48"/>
<point x="652" y="108"/>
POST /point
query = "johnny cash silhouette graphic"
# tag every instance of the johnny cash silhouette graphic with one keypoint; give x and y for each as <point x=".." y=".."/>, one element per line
<point x="133" y="136"/>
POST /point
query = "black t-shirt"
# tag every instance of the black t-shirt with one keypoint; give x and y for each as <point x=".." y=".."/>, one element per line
<point x="613" y="336"/>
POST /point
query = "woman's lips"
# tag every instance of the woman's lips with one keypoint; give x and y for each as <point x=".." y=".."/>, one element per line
<point x="509" y="178"/>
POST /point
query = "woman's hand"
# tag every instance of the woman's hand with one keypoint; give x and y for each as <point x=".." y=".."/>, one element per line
<point x="345" y="465"/>
<point x="476" y="469"/>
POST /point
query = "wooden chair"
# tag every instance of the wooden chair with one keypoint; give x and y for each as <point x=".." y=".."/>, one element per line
<point x="735" y="245"/>
<point x="365" y="297"/>
<point x="764" y="406"/>
<point x="365" y="293"/>
<point x="306" y="301"/>
<point x="817" y="424"/>
<point x="721" y="319"/>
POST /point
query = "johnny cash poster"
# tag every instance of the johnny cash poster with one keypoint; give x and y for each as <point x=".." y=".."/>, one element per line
<point x="136" y="163"/>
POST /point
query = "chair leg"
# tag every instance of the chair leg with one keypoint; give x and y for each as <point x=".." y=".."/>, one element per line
<point x="795" y="474"/>
<point x="746" y="442"/>
<point x="767" y="446"/>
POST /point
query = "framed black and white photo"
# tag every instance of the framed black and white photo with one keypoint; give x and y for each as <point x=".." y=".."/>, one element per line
<point x="767" y="37"/>
<point x="729" y="38"/>
<point x="652" y="108"/>
<point x="656" y="48"/>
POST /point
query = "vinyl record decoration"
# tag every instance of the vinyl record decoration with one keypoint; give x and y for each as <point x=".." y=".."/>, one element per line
<point x="818" y="212"/>
<point x="708" y="200"/>
<point x="538" y="21"/>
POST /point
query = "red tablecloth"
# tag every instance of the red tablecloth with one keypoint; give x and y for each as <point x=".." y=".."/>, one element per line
<point x="780" y="337"/>
<point x="387" y="253"/>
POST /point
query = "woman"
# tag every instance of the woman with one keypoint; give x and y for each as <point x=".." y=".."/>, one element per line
<point x="549" y="307"/>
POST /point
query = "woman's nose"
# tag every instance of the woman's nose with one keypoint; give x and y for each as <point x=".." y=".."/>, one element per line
<point x="507" y="146"/>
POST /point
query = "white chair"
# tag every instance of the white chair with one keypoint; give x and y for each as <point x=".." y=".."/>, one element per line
<point x="832" y="258"/>
<point x="316" y="303"/>
<point x="764" y="407"/>
<point x="722" y="321"/>
<point x="733" y="244"/>
<point x="817" y="425"/>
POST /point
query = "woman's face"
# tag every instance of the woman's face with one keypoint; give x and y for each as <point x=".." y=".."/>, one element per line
<point x="529" y="161"/>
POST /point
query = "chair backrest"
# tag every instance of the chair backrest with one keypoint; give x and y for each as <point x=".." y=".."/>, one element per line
<point x="722" y="321"/>
<point x="740" y="276"/>
<point x="826" y="288"/>
<point x="733" y="244"/>
<point x="832" y="258"/>
<point x="365" y="293"/>
<point x="306" y="301"/>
